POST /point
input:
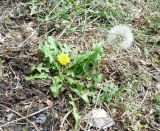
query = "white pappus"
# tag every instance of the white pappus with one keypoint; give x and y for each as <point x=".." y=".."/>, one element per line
<point x="120" y="37"/>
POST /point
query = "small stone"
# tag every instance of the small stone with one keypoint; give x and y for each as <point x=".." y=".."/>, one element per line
<point x="41" y="119"/>
<point x="9" y="116"/>
<point x="157" y="76"/>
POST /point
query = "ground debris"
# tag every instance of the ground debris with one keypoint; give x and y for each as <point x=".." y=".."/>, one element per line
<point x="99" y="118"/>
<point x="41" y="119"/>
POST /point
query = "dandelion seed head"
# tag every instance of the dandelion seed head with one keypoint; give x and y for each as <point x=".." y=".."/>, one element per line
<point x="120" y="37"/>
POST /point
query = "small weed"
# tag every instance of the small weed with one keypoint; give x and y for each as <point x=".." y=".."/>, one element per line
<point x="111" y="91"/>
<point x="72" y="70"/>
<point x="75" y="72"/>
<point x="75" y="113"/>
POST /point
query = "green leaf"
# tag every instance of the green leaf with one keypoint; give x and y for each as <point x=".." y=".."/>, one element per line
<point x="99" y="78"/>
<point x="66" y="48"/>
<point x="51" y="48"/>
<point x="70" y="80"/>
<point x="80" y="92"/>
<point x="120" y="90"/>
<point x="85" y="97"/>
<point x="38" y="76"/>
<point x="109" y="90"/>
<point x="106" y="96"/>
<point x="57" y="66"/>
<point x="87" y="59"/>
<point x="40" y="68"/>
<point x="57" y="79"/>
<point x="55" y="88"/>
<point x="54" y="44"/>
<point x="81" y="58"/>
<point x="75" y="114"/>
<point x="69" y="30"/>
<point x="48" y="53"/>
<point x="96" y="55"/>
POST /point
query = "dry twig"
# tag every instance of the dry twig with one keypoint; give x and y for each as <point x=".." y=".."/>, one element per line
<point x="24" y="117"/>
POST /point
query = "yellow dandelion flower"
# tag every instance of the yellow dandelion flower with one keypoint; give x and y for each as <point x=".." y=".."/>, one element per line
<point x="63" y="58"/>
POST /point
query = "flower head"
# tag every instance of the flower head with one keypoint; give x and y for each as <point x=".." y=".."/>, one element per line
<point x="120" y="37"/>
<point x="63" y="58"/>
